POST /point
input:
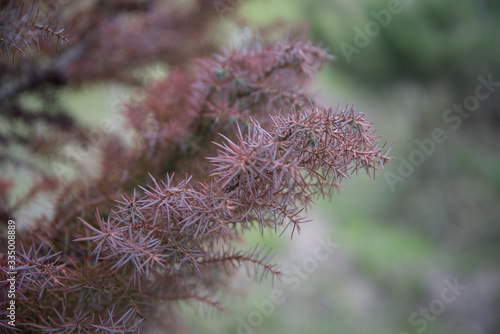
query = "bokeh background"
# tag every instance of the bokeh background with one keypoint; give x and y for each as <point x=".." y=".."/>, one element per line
<point x="432" y="217"/>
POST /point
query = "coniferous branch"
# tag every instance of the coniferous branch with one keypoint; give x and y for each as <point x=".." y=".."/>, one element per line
<point x="261" y="177"/>
<point x="174" y="126"/>
<point x="165" y="216"/>
<point x="256" y="261"/>
<point x="173" y="232"/>
<point x="173" y="122"/>
<point x="19" y="29"/>
<point x="304" y="153"/>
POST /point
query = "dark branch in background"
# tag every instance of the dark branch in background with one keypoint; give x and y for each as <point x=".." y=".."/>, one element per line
<point x="53" y="74"/>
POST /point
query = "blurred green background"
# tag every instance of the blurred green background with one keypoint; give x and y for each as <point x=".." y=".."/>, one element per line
<point x="430" y="220"/>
